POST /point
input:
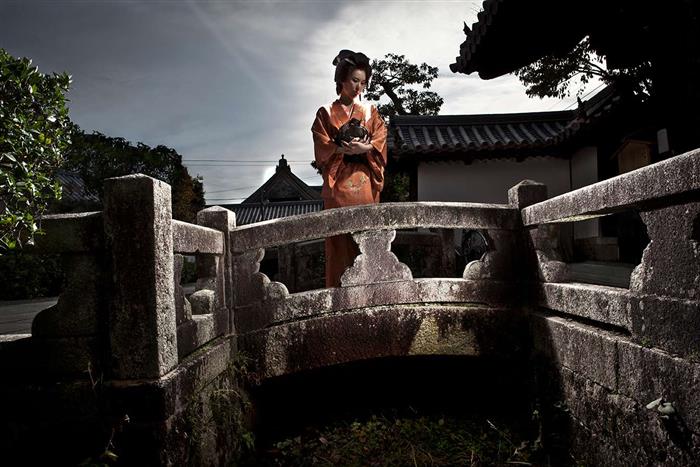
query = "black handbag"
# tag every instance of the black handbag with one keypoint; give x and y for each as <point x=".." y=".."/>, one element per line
<point x="349" y="131"/>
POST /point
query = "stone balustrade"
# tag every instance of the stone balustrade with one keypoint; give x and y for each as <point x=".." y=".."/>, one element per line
<point x="663" y="301"/>
<point x="385" y="216"/>
<point x="122" y="295"/>
<point x="665" y="183"/>
<point x="377" y="277"/>
<point x="608" y="352"/>
<point x="66" y="336"/>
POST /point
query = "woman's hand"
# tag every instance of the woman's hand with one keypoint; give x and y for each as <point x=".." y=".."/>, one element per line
<point x="356" y="146"/>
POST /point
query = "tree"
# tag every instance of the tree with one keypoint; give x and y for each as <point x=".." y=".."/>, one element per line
<point x="396" y="78"/>
<point x="555" y="76"/>
<point x="34" y="134"/>
<point x="392" y="77"/>
<point x="97" y="156"/>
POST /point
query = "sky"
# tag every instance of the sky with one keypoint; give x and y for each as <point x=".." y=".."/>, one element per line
<point x="233" y="85"/>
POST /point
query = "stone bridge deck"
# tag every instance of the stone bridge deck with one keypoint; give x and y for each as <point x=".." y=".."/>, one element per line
<point x="605" y="351"/>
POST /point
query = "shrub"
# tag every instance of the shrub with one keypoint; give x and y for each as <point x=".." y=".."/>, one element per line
<point x="34" y="134"/>
<point x="24" y="275"/>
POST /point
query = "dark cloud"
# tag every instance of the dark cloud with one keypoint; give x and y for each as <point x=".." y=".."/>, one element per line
<point x="219" y="79"/>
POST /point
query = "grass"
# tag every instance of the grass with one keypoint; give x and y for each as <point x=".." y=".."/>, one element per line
<point x="401" y="440"/>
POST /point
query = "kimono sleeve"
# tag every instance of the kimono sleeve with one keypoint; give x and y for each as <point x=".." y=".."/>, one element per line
<point x="377" y="156"/>
<point x="327" y="159"/>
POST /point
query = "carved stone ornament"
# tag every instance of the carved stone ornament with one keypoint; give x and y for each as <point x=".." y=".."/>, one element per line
<point x="376" y="262"/>
<point x="545" y="240"/>
<point x="497" y="262"/>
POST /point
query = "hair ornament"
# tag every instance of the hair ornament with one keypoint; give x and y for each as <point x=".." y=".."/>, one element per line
<point x="349" y="58"/>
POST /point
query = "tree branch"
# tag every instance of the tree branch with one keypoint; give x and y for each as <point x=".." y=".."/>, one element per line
<point x="398" y="102"/>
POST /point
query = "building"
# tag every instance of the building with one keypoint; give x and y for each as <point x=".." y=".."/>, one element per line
<point x="477" y="158"/>
<point x="510" y="34"/>
<point x="284" y="194"/>
<point x="661" y="41"/>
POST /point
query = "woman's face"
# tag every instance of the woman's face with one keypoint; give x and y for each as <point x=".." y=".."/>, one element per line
<point x="355" y="84"/>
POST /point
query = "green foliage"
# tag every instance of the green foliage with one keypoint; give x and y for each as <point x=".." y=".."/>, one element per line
<point x="384" y="441"/>
<point x="97" y="156"/>
<point x="219" y="410"/>
<point x="34" y="134"/>
<point x="393" y="77"/>
<point x="24" y="275"/>
<point x="554" y="76"/>
<point x="397" y="187"/>
<point x="189" y="272"/>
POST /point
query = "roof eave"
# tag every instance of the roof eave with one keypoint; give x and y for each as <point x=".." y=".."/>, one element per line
<point x="490" y="49"/>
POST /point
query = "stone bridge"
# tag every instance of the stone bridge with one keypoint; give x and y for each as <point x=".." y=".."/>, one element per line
<point x="124" y="340"/>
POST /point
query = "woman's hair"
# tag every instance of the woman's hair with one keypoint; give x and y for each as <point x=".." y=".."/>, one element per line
<point x="346" y="62"/>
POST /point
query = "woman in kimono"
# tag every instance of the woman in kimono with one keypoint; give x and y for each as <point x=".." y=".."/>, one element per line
<point x="353" y="172"/>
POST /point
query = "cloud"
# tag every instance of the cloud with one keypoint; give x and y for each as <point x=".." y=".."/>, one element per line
<point x="237" y="80"/>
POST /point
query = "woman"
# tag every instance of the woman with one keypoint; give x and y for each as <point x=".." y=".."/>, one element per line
<point x="353" y="171"/>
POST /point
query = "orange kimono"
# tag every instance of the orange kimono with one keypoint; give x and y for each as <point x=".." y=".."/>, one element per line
<point x="347" y="183"/>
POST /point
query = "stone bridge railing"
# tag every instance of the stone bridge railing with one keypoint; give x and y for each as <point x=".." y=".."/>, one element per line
<point x="625" y="362"/>
<point x="122" y="311"/>
<point x="661" y="305"/>
<point x="377" y="277"/>
<point x="123" y="308"/>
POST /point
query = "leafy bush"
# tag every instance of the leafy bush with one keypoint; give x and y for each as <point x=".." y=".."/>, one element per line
<point x="397" y="187"/>
<point x="24" y="275"/>
<point x="390" y="441"/>
<point x="34" y="134"/>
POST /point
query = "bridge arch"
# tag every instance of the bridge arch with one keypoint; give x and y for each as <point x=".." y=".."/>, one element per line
<point x="365" y="333"/>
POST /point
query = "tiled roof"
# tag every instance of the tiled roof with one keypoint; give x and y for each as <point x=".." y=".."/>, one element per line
<point x="467" y="49"/>
<point x="74" y="189"/>
<point x="494" y="134"/>
<point x="459" y="133"/>
<point x="284" y="183"/>
<point x="248" y="213"/>
<point x="510" y="34"/>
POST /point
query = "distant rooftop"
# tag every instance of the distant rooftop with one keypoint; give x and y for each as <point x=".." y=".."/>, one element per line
<point x="248" y="213"/>
<point x="283" y="186"/>
<point x="284" y="194"/>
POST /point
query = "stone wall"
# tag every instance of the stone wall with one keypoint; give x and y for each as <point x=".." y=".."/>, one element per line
<point x="599" y="388"/>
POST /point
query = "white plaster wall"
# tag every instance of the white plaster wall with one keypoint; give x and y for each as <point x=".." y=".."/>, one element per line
<point x="584" y="167"/>
<point x="488" y="181"/>
<point x="584" y="171"/>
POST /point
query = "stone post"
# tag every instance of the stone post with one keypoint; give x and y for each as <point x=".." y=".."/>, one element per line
<point x="527" y="193"/>
<point x="223" y="220"/>
<point x="286" y="261"/>
<point x="544" y="239"/>
<point x="138" y="228"/>
<point x="447" y="247"/>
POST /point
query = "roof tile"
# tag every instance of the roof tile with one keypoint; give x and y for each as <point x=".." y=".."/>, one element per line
<point x="249" y="213"/>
